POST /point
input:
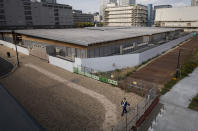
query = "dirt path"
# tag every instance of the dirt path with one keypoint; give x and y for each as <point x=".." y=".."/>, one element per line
<point x="110" y="108"/>
<point x="162" y="69"/>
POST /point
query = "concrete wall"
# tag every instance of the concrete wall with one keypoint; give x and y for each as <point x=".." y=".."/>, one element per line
<point x="144" y="56"/>
<point x="129" y="60"/>
<point x="12" y="46"/>
<point x="111" y="62"/>
<point x="177" y="17"/>
<point x="64" y="64"/>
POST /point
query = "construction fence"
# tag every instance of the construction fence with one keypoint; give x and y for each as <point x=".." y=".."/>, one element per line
<point x="129" y="120"/>
<point x="96" y="75"/>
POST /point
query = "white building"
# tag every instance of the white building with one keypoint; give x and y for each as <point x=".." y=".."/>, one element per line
<point x="194" y="3"/>
<point x="126" y="2"/>
<point x="134" y="15"/>
<point x="103" y="5"/>
<point x="185" y="17"/>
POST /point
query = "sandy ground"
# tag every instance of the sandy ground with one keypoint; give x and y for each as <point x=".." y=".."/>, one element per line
<point x="58" y="105"/>
<point x="162" y="69"/>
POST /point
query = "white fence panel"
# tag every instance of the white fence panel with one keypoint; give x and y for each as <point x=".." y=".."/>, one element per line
<point x="111" y="62"/>
<point x="64" y="64"/>
<point x="144" y="56"/>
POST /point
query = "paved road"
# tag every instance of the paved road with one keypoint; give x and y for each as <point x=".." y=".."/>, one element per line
<point x="12" y="116"/>
<point x="5" y="67"/>
<point x="177" y="116"/>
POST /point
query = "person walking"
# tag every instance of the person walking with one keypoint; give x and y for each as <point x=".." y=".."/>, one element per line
<point x="124" y="105"/>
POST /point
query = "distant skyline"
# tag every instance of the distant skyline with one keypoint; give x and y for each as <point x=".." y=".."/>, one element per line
<point x="93" y="5"/>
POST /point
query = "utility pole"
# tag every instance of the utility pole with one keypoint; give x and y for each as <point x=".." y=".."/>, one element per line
<point x="178" y="63"/>
<point x="14" y="42"/>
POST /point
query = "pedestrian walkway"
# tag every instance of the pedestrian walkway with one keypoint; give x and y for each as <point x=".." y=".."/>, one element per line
<point x="177" y="117"/>
<point x="12" y="116"/>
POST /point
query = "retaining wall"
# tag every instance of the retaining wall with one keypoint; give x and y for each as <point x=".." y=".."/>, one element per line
<point x="12" y="46"/>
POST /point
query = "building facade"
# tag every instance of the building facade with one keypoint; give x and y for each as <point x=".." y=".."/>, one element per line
<point x="127" y="2"/>
<point x="172" y="17"/>
<point x="150" y="21"/>
<point x="135" y="15"/>
<point x="160" y="7"/>
<point x="103" y="5"/>
<point x="27" y="13"/>
<point x="194" y="3"/>
<point x="80" y="17"/>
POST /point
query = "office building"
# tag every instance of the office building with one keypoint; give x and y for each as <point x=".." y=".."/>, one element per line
<point x="28" y="13"/>
<point x="127" y="2"/>
<point x="160" y="7"/>
<point x="185" y="17"/>
<point x="150" y="21"/>
<point x="134" y="15"/>
<point x="80" y="17"/>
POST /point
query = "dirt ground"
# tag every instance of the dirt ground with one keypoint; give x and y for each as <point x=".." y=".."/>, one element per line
<point x="55" y="105"/>
<point x="162" y="69"/>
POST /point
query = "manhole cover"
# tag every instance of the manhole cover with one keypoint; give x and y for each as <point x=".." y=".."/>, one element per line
<point x="75" y="80"/>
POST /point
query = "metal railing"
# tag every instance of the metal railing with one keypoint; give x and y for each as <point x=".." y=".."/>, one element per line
<point x="130" y="119"/>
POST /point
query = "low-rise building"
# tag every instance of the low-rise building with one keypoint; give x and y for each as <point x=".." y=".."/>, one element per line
<point x="184" y="17"/>
<point x="134" y="15"/>
<point x="80" y="17"/>
<point x="98" y="48"/>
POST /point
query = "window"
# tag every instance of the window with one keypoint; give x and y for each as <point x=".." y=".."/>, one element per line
<point x="1" y="11"/>
<point x="28" y="12"/>
<point x="2" y="17"/>
<point x="27" y="8"/>
<point x="28" y="17"/>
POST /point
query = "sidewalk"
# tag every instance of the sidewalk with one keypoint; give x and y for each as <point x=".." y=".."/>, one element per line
<point x="12" y="115"/>
<point x="177" y="117"/>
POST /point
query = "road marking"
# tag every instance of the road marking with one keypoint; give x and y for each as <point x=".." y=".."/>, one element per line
<point x="110" y="108"/>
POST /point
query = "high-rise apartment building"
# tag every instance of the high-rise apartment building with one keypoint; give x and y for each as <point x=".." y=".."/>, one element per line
<point x="31" y="13"/>
<point x="103" y="5"/>
<point x="194" y="3"/>
<point x="127" y="2"/>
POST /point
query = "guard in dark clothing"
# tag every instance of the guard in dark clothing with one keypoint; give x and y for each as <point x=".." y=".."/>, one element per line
<point x="124" y="104"/>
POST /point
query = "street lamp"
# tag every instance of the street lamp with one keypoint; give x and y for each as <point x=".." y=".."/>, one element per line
<point x="14" y="42"/>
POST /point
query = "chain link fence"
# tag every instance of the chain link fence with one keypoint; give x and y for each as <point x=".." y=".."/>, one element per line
<point x="130" y="119"/>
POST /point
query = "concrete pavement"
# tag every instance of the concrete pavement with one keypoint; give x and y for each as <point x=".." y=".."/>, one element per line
<point x="177" y="117"/>
<point x="12" y="115"/>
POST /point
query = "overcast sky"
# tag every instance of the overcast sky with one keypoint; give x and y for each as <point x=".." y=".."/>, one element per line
<point x="93" y="5"/>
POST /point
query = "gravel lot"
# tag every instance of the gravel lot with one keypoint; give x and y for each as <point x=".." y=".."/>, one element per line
<point x="55" y="105"/>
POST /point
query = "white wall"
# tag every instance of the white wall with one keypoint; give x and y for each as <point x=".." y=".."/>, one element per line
<point x="64" y="64"/>
<point x="144" y="56"/>
<point x="177" y="14"/>
<point x="111" y="62"/>
<point x="12" y="46"/>
<point x="116" y="62"/>
<point x="128" y="60"/>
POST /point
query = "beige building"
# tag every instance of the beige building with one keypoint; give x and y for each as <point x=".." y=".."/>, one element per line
<point x="134" y="15"/>
<point x="183" y="17"/>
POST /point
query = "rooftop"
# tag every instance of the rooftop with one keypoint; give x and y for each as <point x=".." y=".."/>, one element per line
<point x="93" y="35"/>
